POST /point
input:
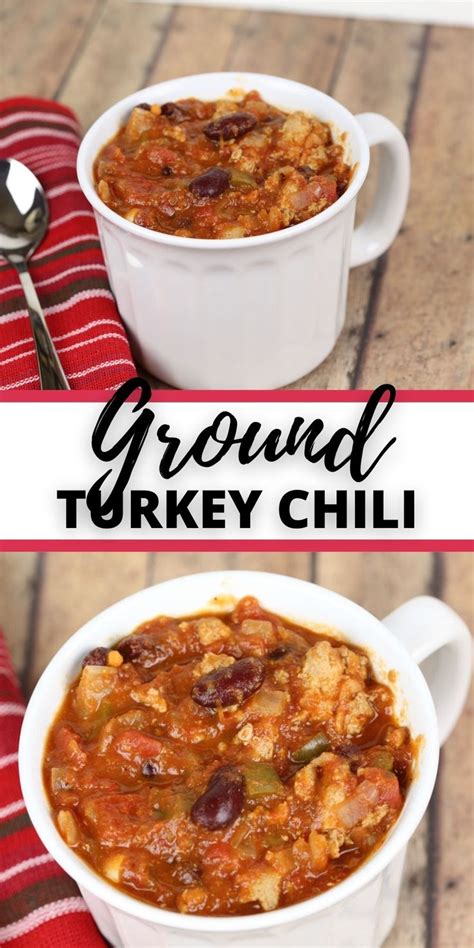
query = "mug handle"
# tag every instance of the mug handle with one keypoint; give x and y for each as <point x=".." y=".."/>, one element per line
<point x="381" y="226"/>
<point x="440" y="643"/>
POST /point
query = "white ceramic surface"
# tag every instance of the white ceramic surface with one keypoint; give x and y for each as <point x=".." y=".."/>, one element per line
<point x="359" y="911"/>
<point x="254" y="312"/>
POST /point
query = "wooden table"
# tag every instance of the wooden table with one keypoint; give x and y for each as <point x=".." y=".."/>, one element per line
<point x="408" y="318"/>
<point x="44" y="598"/>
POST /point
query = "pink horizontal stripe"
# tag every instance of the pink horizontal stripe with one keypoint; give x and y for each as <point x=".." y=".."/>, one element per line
<point x="8" y="708"/>
<point x="6" y="761"/>
<point x="20" y="384"/>
<point x="20" y="867"/>
<point x="69" y="217"/>
<point x="236" y="546"/>
<point x="88" y="342"/>
<point x="34" y="117"/>
<point x="86" y="268"/>
<point x="16" y="358"/>
<point x="92" y="325"/>
<point x="11" y="808"/>
<point x="27" y="134"/>
<point x="59" y="307"/>
<point x="54" y="247"/>
<point x="63" y="189"/>
<point x="44" y="150"/>
<point x="102" y="365"/>
<point x="6" y="669"/>
<point x="41" y="915"/>
<point x="52" y="151"/>
<point x="53" y="165"/>
<point x="72" y="375"/>
<point x="75" y="345"/>
<point x="26" y="341"/>
<point x="441" y="396"/>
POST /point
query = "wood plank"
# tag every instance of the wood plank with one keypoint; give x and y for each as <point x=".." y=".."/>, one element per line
<point x="305" y="48"/>
<point x="422" y="334"/>
<point x="169" y="565"/>
<point x="377" y="73"/>
<point x="18" y="574"/>
<point x="453" y="852"/>
<point x="459" y="584"/>
<point x="380" y="583"/>
<point x="117" y="57"/>
<point x="409" y="930"/>
<point x="299" y="565"/>
<point x="43" y="36"/>
<point x="199" y="39"/>
<point x="76" y="586"/>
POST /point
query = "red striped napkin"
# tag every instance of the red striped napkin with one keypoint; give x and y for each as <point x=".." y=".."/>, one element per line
<point x="68" y="268"/>
<point x="40" y="906"/>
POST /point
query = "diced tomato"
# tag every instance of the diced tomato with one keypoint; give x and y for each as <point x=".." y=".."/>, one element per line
<point x="324" y="188"/>
<point x="116" y="818"/>
<point x="67" y="743"/>
<point x="387" y="785"/>
<point x="137" y="746"/>
<point x="117" y="154"/>
<point x="376" y="789"/>
<point x="320" y="190"/>
<point x="159" y="155"/>
<point x="248" y="608"/>
<point x="222" y="855"/>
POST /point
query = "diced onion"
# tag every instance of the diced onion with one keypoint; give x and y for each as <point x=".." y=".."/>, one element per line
<point x="112" y="867"/>
<point x="68" y="827"/>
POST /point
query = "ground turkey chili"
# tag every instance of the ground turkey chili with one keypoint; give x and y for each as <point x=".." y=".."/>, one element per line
<point x="226" y="764"/>
<point x="220" y="169"/>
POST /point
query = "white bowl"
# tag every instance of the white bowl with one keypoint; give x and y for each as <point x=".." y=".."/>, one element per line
<point x="252" y="312"/>
<point x="365" y="902"/>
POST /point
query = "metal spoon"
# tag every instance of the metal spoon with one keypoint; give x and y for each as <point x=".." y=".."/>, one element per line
<point x="23" y="223"/>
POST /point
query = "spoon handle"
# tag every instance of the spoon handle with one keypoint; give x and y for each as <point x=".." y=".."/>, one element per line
<point x="50" y="369"/>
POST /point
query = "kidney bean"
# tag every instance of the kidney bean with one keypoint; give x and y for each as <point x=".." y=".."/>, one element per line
<point x="234" y="125"/>
<point x="173" y="111"/>
<point x="143" y="649"/>
<point x="98" y="656"/>
<point x="211" y="183"/>
<point x="278" y="652"/>
<point x="222" y="801"/>
<point x="144" y="106"/>
<point x="230" y="685"/>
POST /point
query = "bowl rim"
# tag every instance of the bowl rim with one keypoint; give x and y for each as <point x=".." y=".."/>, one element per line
<point x="37" y="803"/>
<point x="234" y="243"/>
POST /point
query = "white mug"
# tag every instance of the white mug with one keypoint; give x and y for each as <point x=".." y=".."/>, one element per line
<point x="359" y="911"/>
<point x="250" y="312"/>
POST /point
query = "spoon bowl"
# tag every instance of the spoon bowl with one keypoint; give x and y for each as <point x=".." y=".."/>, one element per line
<point x="24" y="209"/>
<point x="24" y="216"/>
